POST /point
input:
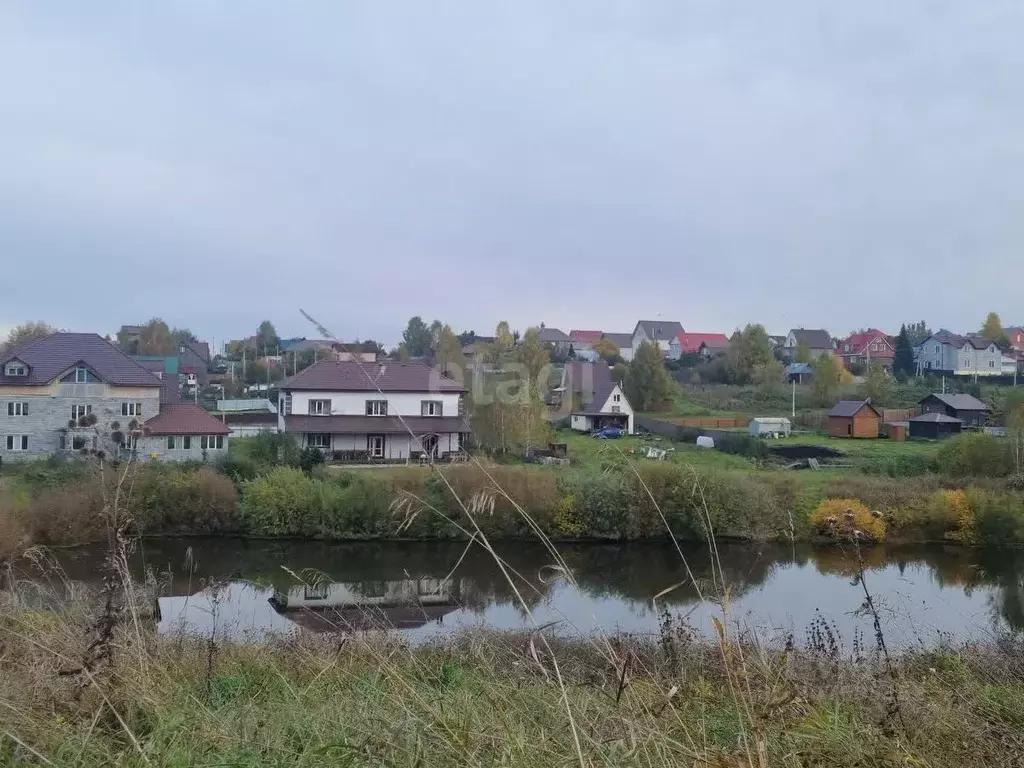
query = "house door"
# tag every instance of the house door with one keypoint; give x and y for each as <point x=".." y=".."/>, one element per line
<point x="429" y="444"/>
<point x="849" y="429"/>
<point x="375" y="446"/>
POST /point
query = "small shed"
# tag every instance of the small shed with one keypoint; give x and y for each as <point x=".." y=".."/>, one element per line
<point x="896" y="430"/>
<point x="766" y="426"/>
<point x="798" y="372"/>
<point x="969" y="409"/>
<point x="854" y="418"/>
<point x="935" y="426"/>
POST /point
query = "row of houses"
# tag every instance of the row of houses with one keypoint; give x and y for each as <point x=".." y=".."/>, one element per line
<point x="669" y="336"/>
<point x="940" y="415"/>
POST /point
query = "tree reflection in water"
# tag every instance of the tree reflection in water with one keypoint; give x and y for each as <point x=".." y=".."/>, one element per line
<point x="630" y="573"/>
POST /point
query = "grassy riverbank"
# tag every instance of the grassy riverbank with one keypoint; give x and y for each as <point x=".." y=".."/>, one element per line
<point x="488" y="699"/>
<point x="608" y="493"/>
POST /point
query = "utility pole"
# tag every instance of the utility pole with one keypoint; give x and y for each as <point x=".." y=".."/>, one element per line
<point x="793" y="411"/>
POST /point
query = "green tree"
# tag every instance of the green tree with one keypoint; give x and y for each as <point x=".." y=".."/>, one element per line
<point x="749" y="349"/>
<point x="802" y="354"/>
<point x="992" y="329"/>
<point x="181" y="336"/>
<point x="825" y="378"/>
<point x="26" y="332"/>
<point x="534" y="355"/>
<point x="448" y="355"/>
<point x="267" y="341"/>
<point x="155" y="339"/>
<point x="417" y="338"/>
<point x="918" y="332"/>
<point x="647" y="382"/>
<point x="1013" y="419"/>
<point x="608" y="350"/>
<point x="877" y="385"/>
<point x="500" y="350"/>
<point x="903" y="361"/>
<point x="436" y="329"/>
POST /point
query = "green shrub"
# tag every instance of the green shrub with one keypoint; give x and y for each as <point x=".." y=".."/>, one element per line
<point x="169" y="498"/>
<point x="975" y="454"/>
<point x="285" y="502"/>
<point x="999" y="516"/>
<point x="898" y="465"/>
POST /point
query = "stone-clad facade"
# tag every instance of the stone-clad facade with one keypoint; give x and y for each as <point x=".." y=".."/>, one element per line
<point x="49" y="412"/>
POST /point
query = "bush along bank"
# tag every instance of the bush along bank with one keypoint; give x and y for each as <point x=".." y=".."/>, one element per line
<point x="627" y="502"/>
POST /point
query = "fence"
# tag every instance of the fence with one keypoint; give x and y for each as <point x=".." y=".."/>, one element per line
<point x="709" y="422"/>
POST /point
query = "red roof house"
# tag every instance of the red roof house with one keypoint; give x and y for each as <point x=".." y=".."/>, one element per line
<point x="706" y="344"/>
<point x="872" y="344"/>
<point x="585" y="337"/>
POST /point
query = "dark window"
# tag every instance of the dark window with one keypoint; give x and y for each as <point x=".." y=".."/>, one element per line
<point x="186" y="443"/>
<point x="375" y="446"/>
<point x="376" y="407"/>
<point x="170" y="442"/>
<point x="431" y="408"/>
<point x="319" y="407"/>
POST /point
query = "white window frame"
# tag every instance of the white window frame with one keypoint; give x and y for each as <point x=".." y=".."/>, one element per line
<point x="431" y="408"/>
<point x="375" y="446"/>
<point x="131" y="409"/>
<point x="16" y="369"/>
<point x="78" y="438"/>
<point x="376" y="407"/>
<point x="17" y="443"/>
<point x="81" y="375"/>
<point x="320" y="407"/>
<point x="616" y="398"/>
<point x="316" y="440"/>
<point x="17" y="408"/>
<point x="172" y="443"/>
<point x="76" y="413"/>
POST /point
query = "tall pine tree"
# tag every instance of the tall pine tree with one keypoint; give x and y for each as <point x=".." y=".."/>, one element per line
<point x="903" y="361"/>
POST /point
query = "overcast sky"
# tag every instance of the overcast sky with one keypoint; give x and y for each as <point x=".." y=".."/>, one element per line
<point x="582" y="162"/>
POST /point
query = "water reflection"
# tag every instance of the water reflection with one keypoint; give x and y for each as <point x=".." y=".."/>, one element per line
<point x="243" y="587"/>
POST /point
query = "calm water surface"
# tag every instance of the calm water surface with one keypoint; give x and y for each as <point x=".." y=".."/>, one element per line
<point x="227" y="587"/>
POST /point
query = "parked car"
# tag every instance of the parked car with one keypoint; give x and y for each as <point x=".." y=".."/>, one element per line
<point x="608" y="433"/>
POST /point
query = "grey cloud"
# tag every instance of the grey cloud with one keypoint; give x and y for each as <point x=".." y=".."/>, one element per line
<point x="581" y="163"/>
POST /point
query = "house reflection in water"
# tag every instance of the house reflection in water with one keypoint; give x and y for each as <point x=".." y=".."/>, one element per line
<point x="353" y="606"/>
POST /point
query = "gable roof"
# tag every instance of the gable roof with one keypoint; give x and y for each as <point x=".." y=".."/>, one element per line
<point x="859" y="341"/>
<point x="815" y="338"/>
<point x="659" y="330"/>
<point x="593" y="382"/>
<point x="938" y="418"/>
<point x="620" y="340"/>
<point x="850" y="408"/>
<point x="691" y="342"/>
<point x="554" y="335"/>
<point x="794" y="369"/>
<point x="958" y="402"/>
<point x="387" y="376"/>
<point x="201" y="348"/>
<point x="184" y="419"/>
<point x="587" y="337"/>
<point x="958" y="341"/>
<point x="50" y="356"/>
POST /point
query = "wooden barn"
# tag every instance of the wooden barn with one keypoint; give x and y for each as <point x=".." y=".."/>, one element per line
<point x="854" y="418"/>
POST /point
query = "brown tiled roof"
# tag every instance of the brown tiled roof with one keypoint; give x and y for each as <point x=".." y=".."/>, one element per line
<point x="50" y="356"/>
<point x="375" y="425"/>
<point x="387" y="376"/>
<point x="184" y="419"/>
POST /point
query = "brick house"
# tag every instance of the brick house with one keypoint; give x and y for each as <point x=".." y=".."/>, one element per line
<point x="863" y="347"/>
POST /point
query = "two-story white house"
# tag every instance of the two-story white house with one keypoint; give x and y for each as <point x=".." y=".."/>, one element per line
<point x="658" y="331"/>
<point x="960" y="356"/>
<point x="386" y="411"/>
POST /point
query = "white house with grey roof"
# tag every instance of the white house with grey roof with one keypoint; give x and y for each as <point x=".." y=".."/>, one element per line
<point x="661" y="332"/>
<point x="595" y="400"/>
<point x="955" y="355"/>
<point x="387" y="411"/>
<point x="817" y="340"/>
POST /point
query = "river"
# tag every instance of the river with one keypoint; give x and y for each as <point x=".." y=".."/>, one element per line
<point x="226" y="587"/>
